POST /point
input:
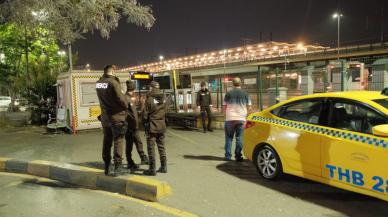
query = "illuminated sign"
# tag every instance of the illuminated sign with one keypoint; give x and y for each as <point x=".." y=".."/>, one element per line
<point x="141" y="76"/>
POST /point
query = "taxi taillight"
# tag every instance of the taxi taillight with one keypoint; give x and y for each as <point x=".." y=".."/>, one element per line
<point x="249" y="124"/>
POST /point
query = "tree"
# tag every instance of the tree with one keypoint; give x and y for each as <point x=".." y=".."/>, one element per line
<point x="44" y="60"/>
<point x="69" y="20"/>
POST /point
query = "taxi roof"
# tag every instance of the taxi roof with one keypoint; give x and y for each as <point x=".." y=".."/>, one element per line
<point x="363" y="96"/>
<point x="358" y="95"/>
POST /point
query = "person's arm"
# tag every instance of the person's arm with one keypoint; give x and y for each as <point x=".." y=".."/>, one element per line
<point x="249" y="104"/>
<point x="225" y="103"/>
<point x="198" y="98"/>
<point x="210" y="99"/>
<point x="119" y="95"/>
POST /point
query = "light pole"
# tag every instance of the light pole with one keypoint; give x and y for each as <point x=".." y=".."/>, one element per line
<point x="338" y="17"/>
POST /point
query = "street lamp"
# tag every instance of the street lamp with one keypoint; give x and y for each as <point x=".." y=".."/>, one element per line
<point x="161" y="58"/>
<point x="338" y="17"/>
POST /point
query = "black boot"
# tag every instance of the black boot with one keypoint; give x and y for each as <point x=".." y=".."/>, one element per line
<point x="162" y="169"/>
<point x="131" y="165"/>
<point x="118" y="169"/>
<point x="106" y="168"/>
<point x="163" y="166"/>
<point x="151" y="170"/>
<point x="144" y="159"/>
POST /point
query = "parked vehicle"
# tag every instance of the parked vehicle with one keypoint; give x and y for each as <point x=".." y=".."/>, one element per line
<point x="339" y="139"/>
<point x="5" y="101"/>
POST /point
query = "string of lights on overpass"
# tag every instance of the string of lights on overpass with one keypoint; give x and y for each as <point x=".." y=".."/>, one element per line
<point x="250" y="52"/>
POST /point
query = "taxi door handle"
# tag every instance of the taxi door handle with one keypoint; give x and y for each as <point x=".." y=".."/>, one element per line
<point x="359" y="157"/>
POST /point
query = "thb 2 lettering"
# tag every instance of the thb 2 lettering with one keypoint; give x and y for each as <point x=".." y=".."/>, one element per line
<point x="346" y="175"/>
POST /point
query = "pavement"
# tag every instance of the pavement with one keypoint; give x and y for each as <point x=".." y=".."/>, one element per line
<point x="202" y="183"/>
<point x="25" y="195"/>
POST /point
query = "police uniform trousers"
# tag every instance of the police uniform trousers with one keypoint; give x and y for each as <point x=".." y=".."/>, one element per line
<point x="131" y="137"/>
<point x="205" y="110"/>
<point x="113" y="134"/>
<point x="157" y="138"/>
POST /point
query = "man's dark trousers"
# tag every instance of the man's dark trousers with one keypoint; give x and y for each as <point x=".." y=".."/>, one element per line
<point x="206" y="110"/>
<point x="113" y="134"/>
<point x="132" y="136"/>
<point x="157" y="138"/>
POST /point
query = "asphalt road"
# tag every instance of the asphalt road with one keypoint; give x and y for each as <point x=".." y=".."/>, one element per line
<point x="201" y="181"/>
<point x="23" y="195"/>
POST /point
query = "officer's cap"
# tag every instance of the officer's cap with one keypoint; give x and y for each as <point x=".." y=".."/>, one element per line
<point x="130" y="85"/>
<point x="155" y="84"/>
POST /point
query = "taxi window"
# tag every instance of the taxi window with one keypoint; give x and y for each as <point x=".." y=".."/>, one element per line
<point x="383" y="102"/>
<point x="307" y="111"/>
<point x="355" y="117"/>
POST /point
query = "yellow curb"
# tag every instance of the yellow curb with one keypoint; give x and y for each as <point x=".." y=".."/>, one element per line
<point x="39" y="168"/>
<point x="85" y="179"/>
<point x="2" y="163"/>
<point x="161" y="189"/>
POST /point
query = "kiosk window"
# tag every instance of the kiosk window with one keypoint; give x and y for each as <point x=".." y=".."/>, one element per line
<point x="88" y="94"/>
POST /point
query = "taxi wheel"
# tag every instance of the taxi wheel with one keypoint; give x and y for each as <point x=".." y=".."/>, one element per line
<point x="267" y="162"/>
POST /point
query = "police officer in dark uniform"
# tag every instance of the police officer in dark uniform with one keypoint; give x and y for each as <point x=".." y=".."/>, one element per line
<point x="132" y="135"/>
<point x="113" y="114"/>
<point x="204" y="102"/>
<point x="155" y="124"/>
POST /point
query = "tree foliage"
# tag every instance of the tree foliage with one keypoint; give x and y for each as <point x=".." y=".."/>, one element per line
<point x="44" y="62"/>
<point x="70" y="19"/>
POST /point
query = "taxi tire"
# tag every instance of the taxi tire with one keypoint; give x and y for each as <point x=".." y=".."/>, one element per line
<point x="279" y="169"/>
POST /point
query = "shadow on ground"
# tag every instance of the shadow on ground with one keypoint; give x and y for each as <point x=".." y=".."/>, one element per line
<point x="310" y="191"/>
<point x="27" y="183"/>
<point x="203" y="157"/>
<point x="183" y="128"/>
<point x="100" y="165"/>
<point x="96" y="164"/>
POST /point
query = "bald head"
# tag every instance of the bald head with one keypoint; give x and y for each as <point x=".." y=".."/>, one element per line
<point x="236" y="82"/>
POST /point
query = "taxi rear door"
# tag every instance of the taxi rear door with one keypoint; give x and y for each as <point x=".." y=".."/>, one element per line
<point x="297" y="138"/>
<point x="350" y="153"/>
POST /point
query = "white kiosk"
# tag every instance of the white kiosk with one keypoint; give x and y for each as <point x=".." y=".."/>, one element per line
<point x="76" y="94"/>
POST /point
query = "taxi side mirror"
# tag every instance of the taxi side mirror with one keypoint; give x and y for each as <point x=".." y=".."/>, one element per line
<point x="380" y="130"/>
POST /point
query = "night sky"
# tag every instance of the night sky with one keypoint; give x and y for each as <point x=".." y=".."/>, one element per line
<point x="196" y="26"/>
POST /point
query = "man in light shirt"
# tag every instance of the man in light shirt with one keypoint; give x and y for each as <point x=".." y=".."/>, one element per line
<point x="237" y="104"/>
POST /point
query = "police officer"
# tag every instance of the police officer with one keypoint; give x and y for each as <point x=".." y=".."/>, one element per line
<point x="113" y="114"/>
<point x="155" y="124"/>
<point x="204" y="102"/>
<point x="132" y="135"/>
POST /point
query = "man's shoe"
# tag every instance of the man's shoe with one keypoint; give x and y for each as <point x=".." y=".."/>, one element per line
<point x="162" y="170"/>
<point x="149" y="172"/>
<point x="204" y="130"/>
<point x="144" y="160"/>
<point x="239" y="159"/>
<point x="118" y="170"/>
<point x="227" y="159"/>
<point x="132" y="166"/>
<point x="106" y="169"/>
<point x="210" y="130"/>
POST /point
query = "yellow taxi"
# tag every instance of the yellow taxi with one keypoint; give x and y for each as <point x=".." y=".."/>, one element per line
<point x="339" y="139"/>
